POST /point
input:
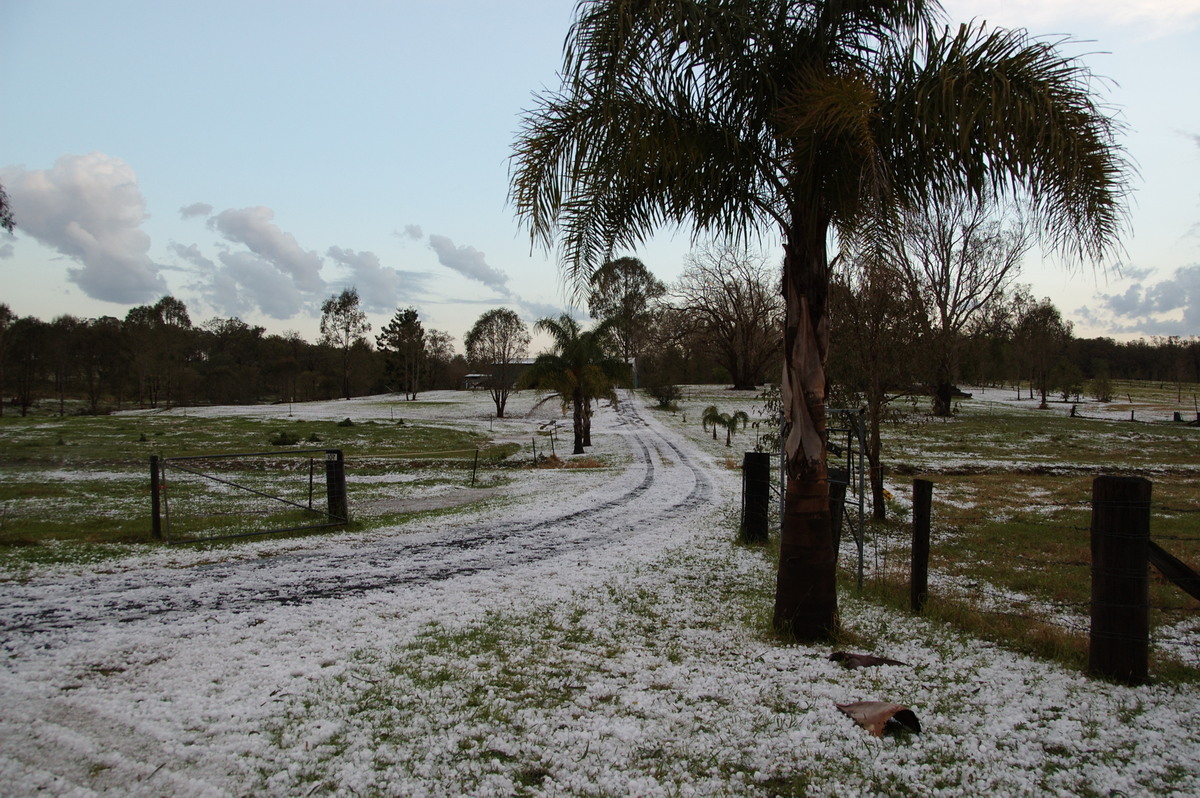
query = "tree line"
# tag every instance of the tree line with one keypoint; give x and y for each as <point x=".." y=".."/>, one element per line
<point x="895" y="332"/>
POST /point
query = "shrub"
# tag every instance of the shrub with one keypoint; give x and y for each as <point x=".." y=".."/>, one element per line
<point x="665" y="395"/>
<point x="284" y="438"/>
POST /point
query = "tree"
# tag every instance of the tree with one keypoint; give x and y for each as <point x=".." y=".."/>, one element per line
<point x="105" y="361"/>
<point x="730" y="422"/>
<point x="498" y="341"/>
<point x="7" y="317"/>
<point x="580" y="368"/>
<point x="234" y="360"/>
<point x="159" y="336"/>
<point x="404" y="341"/>
<point x="875" y="323"/>
<point x="343" y="325"/>
<point x="439" y="352"/>
<point x="959" y="254"/>
<point x="624" y="290"/>
<point x="805" y="118"/>
<point x="26" y="340"/>
<point x="6" y="216"/>
<point x="1043" y="336"/>
<point x="731" y="297"/>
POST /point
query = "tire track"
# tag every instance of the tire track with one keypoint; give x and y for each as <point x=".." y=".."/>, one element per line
<point x="613" y="513"/>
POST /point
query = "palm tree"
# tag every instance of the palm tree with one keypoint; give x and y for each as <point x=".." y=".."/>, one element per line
<point x="727" y="421"/>
<point x="579" y="368"/>
<point x="805" y="118"/>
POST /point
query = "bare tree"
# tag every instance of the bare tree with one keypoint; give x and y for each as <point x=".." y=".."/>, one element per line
<point x="439" y="351"/>
<point x="733" y="298"/>
<point x="497" y="342"/>
<point x="874" y="327"/>
<point x="959" y="255"/>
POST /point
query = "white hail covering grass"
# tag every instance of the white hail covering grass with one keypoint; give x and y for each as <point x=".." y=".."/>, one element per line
<point x="616" y="657"/>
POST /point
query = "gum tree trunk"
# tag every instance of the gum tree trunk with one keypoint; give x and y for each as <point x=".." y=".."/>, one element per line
<point x="806" y="590"/>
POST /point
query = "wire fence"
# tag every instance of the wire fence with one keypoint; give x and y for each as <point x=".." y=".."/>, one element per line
<point x="1032" y="564"/>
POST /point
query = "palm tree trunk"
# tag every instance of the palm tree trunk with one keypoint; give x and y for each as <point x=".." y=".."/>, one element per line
<point x="587" y="422"/>
<point x="806" y="590"/>
<point x="577" y="406"/>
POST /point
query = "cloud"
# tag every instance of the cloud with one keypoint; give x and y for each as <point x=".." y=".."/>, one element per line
<point x="379" y="287"/>
<point x="192" y="255"/>
<point x="254" y="229"/>
<point x="246" y="282"/>
<point x="413" y="231"/>
<point x="1157" y="17"/>
<point x="195" y="209"/>
<point x="1168" y="307"/>
<point x="469" y="262"/>
<point x="90" y="209"/>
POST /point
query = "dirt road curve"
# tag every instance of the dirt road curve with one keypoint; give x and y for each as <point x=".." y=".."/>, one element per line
<point x="666" y="480"/>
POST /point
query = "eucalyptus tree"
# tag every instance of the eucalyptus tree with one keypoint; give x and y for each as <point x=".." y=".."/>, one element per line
<point x="802" y="118"/>
<point x="343" y="325"/>
<point x="624" y="290"/>
<point x="580" y="367"/>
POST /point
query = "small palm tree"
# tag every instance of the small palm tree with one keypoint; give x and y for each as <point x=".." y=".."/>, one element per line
<point x="579" y="368"/>
<point x="730" y="422"/>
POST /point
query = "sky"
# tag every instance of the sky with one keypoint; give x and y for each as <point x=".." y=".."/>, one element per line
<point x="255" y="158"/>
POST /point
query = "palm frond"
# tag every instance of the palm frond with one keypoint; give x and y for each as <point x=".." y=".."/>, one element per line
<point x="999" y="112"/>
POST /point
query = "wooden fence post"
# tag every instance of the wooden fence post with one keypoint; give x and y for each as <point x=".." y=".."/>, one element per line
<point x="756" y="496"/>
<point x="335" y="485"/>
<point x="1120" y="635"/>
<point x="155" y="499"/>
<point x="922" y="511"/>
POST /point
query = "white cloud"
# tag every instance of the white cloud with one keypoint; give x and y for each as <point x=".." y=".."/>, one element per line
<point x="469" y="262"/>
<point x="254" y="228"/>
<point x="248" y="281"/>
<point x="1152" y="17"/>
<point x="192" y="255"/>
<point x="195" y="209"/>
<point x="90" y="209"/>
<point x="413" y="231"/>
<point x="381" y="288"/>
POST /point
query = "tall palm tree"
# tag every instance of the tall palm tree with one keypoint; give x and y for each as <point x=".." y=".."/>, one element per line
<point x="806" y="118"/>
<point x="580" y="368"/>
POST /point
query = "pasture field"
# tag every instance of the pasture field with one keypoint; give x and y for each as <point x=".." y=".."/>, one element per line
<point x="642" y="663"/>
<point x="1010" y="557"/>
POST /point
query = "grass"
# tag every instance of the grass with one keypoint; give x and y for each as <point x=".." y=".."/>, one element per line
<point x="1011" y="550"/>
<point x="77" y="488"/>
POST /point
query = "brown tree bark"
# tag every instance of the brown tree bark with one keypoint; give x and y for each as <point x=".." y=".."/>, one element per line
<point x="806" y="590"/>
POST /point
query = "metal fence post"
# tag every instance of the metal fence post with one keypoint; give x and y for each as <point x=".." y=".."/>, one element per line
<point x="1119" y="646"/>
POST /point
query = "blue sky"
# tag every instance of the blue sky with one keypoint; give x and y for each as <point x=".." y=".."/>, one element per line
<point x="254" y="158"/>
